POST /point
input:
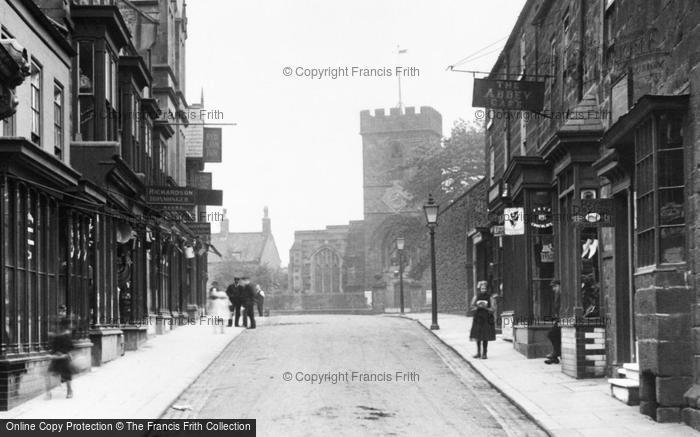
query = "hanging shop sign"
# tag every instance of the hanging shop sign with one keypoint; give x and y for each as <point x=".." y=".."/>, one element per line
<point x="157" y="195"/>
<point x="199" y="228"/>
<point x="508" y="94"/>
<point x="497" y="231"/>
<point x="514" y="221"/>
<point x="596" y="213"/>
<point x="212" y="144"/>
<point x="209" y="197"/>
<point x="202" y="180"/>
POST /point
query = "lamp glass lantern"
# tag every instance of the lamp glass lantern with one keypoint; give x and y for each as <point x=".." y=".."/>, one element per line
<point x="400" y="243"/>
<point x="431" y="211"/>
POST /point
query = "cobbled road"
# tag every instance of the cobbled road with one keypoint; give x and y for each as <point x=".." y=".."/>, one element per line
<point x="349" y="375"/>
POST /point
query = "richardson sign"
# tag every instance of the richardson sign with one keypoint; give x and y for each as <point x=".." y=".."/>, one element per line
<point x="508" y="94"/>
<point x="170" y="195"/>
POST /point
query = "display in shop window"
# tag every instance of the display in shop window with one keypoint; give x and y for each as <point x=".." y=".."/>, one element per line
<point x="590" y="274"/>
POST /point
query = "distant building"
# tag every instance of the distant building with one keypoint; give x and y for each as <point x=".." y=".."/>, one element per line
<point x="362" y="256"/>
<point x="248" y="248"/>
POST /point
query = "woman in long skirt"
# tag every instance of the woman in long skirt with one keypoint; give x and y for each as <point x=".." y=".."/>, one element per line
<point x="484" y="323"/>
<point x="218" y="307"/>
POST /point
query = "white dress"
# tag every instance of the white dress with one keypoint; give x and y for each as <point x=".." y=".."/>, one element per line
<point x="219" y="304"/>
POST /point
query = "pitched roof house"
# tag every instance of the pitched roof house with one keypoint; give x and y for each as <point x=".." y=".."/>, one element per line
<point x="247" y="247"/>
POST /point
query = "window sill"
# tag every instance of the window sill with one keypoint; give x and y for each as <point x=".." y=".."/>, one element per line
<point x="646" y="270"/>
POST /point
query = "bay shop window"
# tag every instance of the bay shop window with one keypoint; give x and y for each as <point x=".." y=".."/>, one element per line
<point x="97" y="105"/>
<point x="659" y="190"/>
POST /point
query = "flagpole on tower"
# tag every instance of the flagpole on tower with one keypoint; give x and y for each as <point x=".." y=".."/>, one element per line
<point x="399" y="51"/>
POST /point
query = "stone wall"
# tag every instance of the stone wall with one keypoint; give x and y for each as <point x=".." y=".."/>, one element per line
<point x="453" y="251"/>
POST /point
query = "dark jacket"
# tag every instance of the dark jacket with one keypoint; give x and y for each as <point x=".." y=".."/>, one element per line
<point x="234" y="294"/>
<point x="248" y="294"/>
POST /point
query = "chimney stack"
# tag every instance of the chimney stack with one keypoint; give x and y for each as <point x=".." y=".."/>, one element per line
<point x="267" y="225"/>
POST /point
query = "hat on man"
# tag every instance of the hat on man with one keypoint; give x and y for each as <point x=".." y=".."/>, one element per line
<point x="555" y="282"/>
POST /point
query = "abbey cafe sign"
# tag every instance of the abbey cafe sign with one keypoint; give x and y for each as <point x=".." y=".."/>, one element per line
<point x="508" y="94"/>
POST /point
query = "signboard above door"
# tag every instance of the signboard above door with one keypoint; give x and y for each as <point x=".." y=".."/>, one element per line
<point x="508" y="94"/>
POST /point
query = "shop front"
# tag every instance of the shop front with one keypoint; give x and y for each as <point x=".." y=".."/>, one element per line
<point x="45" y="266"/>
<point x="647" y="170"/>
<point x="524" y="253"/>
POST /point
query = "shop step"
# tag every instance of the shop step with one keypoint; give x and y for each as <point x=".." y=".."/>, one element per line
<point x="631" y="371"/>
<point x="625" y="390"/>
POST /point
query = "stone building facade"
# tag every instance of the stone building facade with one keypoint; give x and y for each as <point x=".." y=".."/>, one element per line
<point x="79" y="239"/>
<point x="457" y="271"/>
<point x="620" y="135"/>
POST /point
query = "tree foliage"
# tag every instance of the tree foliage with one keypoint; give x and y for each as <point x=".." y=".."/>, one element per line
<point x="447" y="171"/>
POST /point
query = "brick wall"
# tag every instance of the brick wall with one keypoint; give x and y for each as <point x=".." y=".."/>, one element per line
<point x="583" y="351"/>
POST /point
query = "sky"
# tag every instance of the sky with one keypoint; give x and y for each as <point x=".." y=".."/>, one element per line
<point x="296" y="146"/>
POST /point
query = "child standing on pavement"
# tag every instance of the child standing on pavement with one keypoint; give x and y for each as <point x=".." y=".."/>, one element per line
<point x="484" y="323"/>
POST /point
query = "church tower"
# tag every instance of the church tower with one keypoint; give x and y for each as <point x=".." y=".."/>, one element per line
<point x="389" y="141"/>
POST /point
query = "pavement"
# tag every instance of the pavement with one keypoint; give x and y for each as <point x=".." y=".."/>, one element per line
<point x="562" y="405"/>
<point x="142" y="384"/>
<point x="348" y="375"/>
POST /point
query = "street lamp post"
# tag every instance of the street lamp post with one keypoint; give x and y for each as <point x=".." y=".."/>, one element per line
<point x="431" y="212"/>
<point x="400" y="244"/>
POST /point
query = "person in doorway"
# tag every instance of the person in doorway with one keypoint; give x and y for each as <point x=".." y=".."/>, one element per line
<point x="61" y="345"/>
<point x="554" y="334"/>
<point x="248" y="300"/>
<point x="259" y="299"/>
<point x="483" y="329"/>
<point x="218" y="307"/>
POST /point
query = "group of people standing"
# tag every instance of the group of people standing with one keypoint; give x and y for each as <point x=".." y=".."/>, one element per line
<point x="240" y="295"/>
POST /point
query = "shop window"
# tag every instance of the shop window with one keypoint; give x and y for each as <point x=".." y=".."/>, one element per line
<point x="590" y="272"/>
<point x="30" y="267"/>
<point x="35" y="83"/>
<point x="58" y="117"/>
<point x="660" y="191"/>
<point x="541" y="238"/>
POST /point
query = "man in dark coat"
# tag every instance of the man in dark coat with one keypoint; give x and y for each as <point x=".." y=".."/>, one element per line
<point x="554" y="334"/>
<point x="234" y="295"/>
<point x="248" y="298"/>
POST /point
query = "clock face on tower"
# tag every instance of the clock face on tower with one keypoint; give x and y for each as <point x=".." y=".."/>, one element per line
<point x="396" y="198"/>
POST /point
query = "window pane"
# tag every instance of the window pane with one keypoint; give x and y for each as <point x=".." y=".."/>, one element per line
<point x="672" y="244"/>
<point x="86" y="67"/>
<point x="645" y="248"/>
<point x="645" y="212"/>
<point x="670" y="131"/>
<point x="671" y="207"/>
<point x="671" y="168"/>
<point x="87" y="117"/>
